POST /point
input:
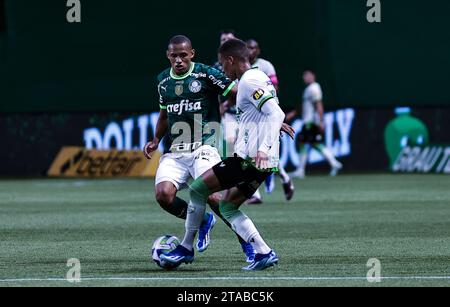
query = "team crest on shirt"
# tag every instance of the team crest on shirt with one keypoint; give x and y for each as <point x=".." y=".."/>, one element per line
<point x="257" y="95"/>
<point x="179" y="89"/>
<point x="195" y="86"/>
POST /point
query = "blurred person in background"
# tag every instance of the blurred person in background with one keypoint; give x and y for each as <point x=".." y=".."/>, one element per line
<point x="227" y="109"/>
<point x="225" y="35"/>
<point x="268" y="68"/>
<point x="313" y="131"/>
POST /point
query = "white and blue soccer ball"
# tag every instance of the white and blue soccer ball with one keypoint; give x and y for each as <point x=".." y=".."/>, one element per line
<point x="164" y="245"/>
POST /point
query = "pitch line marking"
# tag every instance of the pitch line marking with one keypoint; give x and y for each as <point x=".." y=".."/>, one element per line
<point x="223" y="279"/>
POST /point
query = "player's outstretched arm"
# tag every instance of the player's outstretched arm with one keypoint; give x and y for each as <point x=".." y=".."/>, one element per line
<point x="275" y="117"/>
<point x="292" y="115"/>
<point x="286" y="128"/>
<point x="161" y="130"/>
<point x="231" y="100"/>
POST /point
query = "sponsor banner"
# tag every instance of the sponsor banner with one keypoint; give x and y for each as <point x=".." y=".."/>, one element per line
<point x="119" y="134"/>
<point x="433" y="159"/>
<point x="77" y="162"/>
<point x="31" y="141"/>
<point x="363" y="139"/>
<point x="413" y="142"/>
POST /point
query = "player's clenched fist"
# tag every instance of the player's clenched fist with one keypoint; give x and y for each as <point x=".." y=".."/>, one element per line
<point x="151" y="147"/>
<point x="262" y="161"/>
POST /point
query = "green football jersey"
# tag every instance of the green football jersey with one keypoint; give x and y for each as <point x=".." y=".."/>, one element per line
<point x="192" y="104"/>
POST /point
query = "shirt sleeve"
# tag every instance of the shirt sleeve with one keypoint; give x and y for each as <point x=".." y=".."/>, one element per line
<point x="219" y="82"/>
<point x="272" y="74"/>
<point x="162" y="101"/>
<point x="316" y="93"/>
<point x="258" y="93"/>
<point x="271" y="70"/>
<point x="276" y="119"/>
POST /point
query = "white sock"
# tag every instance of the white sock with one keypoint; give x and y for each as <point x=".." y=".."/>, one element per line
<point x="245" y="228"/>
<point x="284" y="176"/>
<point x="195" y="216"/>
<point x="303" y="160"/>
<point x="330" y="157"/>
<point x="257" y="194"/>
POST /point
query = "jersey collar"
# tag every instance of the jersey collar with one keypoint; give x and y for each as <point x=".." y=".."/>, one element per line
<point x="251" y="68"/>
<point x="174" y="76"/>
<point x="255" y="64"/>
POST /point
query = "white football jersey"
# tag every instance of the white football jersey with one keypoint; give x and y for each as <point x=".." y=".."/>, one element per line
<point x="254" y="90"/>
<point x="311" y="95"/>
<point x="265" y="66"/>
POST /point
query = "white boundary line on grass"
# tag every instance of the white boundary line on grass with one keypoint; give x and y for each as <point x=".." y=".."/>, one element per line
<point x="423" y="278"/>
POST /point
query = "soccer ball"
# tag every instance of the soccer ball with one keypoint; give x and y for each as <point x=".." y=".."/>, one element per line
<point x="164" y="245"/>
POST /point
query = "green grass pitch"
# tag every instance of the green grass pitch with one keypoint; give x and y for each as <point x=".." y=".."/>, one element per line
<point x="324" y="237"/>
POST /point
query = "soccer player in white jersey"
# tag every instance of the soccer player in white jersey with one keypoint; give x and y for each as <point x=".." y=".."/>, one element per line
<point x="267" y="67"/>
<point x="312" y="134"/>
<point x="256" y="157"/>
<point x="229" y="120"/>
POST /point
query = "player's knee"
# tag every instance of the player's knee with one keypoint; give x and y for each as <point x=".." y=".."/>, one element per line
<point x="199" y="191"/>
<point x="214" y="199"/>
<point x="164" y="198"/>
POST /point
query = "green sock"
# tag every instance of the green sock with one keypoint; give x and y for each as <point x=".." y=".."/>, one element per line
<point x="216" y="209"/>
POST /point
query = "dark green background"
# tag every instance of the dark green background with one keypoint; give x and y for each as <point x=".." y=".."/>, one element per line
<point x="110" y="60"/>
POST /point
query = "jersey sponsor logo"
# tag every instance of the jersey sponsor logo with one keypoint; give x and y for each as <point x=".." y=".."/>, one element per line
<point x="198" y="75"/>
<point x="185" y="147"/>
<point x="184" y="106"/>
<point x="257" y="95"/>
<point x="195" y="86"/>
<point x="217" y="82"/>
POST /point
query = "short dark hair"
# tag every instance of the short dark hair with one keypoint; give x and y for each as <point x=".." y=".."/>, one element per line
<point x="235" y="48"/>
<point x="180" y="39"/>
<point x="228" y="31"/>
<point x="252" y="40"/>
<point x="309" y="69"/>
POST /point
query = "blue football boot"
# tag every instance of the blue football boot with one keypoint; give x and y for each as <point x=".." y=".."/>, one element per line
<point x="178" y="256"/>
<point x="204" y="237"/>
<point x="262" y="262"/>
<point x="249" y="252"/>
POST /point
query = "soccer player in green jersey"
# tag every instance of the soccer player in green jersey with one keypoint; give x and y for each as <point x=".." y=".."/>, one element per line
<point x="189" y="115"/>
<point x="257" y="155"/>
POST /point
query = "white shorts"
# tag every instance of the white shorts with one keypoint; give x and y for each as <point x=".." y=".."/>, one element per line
<point x="177" y="168"/>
